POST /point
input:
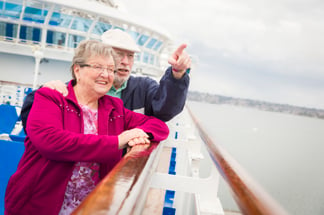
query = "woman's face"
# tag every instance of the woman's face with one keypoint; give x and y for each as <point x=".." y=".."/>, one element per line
<point x="96" y="76"/>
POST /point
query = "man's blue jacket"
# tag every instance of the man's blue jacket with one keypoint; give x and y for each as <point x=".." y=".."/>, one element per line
<point x="164" y="100"/>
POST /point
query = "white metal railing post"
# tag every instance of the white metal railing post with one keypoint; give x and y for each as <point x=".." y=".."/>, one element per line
<point x="38" y="55"/>
<point x="189" y="187"/>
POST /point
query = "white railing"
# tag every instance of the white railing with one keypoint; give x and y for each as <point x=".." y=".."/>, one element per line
<point x="166" y="181"/>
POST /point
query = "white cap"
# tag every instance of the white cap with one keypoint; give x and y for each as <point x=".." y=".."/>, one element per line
<point x="117" y="38"/>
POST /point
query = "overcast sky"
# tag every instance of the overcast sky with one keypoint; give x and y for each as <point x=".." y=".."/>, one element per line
<point x="266" y="50"/>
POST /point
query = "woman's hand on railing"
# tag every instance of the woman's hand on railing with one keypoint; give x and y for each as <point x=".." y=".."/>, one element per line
<point x="132" y="137"/>
<point x="138" y="141"/>
<point x="113" y="194"/>
<point x="138" y="148"/>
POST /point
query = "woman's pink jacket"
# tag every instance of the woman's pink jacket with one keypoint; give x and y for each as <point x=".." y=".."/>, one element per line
<point x="55" y="141"/>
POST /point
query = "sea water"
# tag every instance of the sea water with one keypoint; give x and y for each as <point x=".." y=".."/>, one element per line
<point x="284" y="153"/>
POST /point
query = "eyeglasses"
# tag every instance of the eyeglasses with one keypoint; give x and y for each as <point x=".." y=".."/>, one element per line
<point x="119" y="55"/>
<point x="99" y="68"/>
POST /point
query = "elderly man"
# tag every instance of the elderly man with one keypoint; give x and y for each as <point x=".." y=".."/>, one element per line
<point x="163" y="100"/>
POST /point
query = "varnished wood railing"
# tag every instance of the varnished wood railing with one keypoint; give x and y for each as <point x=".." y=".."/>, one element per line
<point x="116" y="193"/>
<point x="249" y="196"/>
<point x="120" y="191"/>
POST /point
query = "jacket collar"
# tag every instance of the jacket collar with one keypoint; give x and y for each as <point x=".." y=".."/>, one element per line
<point x="71" y="95"/>
<point x="103" y="102"/>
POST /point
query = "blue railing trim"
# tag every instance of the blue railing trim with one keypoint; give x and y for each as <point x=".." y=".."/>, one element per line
<point x="169" y="194"/>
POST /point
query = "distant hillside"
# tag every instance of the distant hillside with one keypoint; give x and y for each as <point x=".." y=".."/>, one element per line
<point x="262" y="105"/>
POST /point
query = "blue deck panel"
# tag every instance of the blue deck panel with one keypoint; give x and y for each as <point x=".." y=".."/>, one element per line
<point x="10" y="154"/>
<point x="8" y="118"/>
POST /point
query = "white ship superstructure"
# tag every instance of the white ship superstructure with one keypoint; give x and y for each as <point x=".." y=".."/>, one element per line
<point x="37" y="38"/>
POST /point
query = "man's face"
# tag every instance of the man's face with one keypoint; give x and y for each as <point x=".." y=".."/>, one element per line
<point x="124" y="62"/>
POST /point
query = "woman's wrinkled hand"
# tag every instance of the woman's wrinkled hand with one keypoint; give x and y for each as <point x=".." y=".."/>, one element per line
<point x="132" y="137"/>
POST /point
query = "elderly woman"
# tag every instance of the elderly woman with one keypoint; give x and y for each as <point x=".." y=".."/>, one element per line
<point x="74" y="141"/>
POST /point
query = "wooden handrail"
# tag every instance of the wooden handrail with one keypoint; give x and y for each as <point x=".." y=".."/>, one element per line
<point x="120" y="190"/>
<point x="250" y="197"/>
<point x="111" y="195"/>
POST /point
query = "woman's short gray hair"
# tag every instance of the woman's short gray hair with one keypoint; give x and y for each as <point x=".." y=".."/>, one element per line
<point x="87" y="49"/>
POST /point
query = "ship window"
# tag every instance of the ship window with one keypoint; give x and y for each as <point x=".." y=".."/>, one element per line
<point x="134" y="34"/>
<point x="146" y="57"/>
<point x="81" y="24"/>
<point x="137" y="56"/>
<point x="142" y="40"/>
<point x="100" y="28"/>
<point x="12" y="10"/>
<point x="157" y="46"/>
<point x="56" y="38"/>
<point x="29" y="34"/>
<point x="152" y="59"/>
<point x="2" y="29"/>
<point x="151" y="43"/>
<point x="74" y="40"/>
<point x="59" y="19"/>
<point x="120" y="28"/>
<point x="34" y="14"/>
<point x="8" y="30"/>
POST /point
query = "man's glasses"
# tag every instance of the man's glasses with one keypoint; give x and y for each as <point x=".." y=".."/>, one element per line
<point x="99" y="68"/>
<point x="120" y="55"/>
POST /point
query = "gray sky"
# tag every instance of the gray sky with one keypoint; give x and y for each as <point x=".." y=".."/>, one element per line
<point x="257" y="49"/>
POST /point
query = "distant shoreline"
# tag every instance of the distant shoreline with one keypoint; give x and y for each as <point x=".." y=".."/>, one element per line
<point x="261" y="105"/>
